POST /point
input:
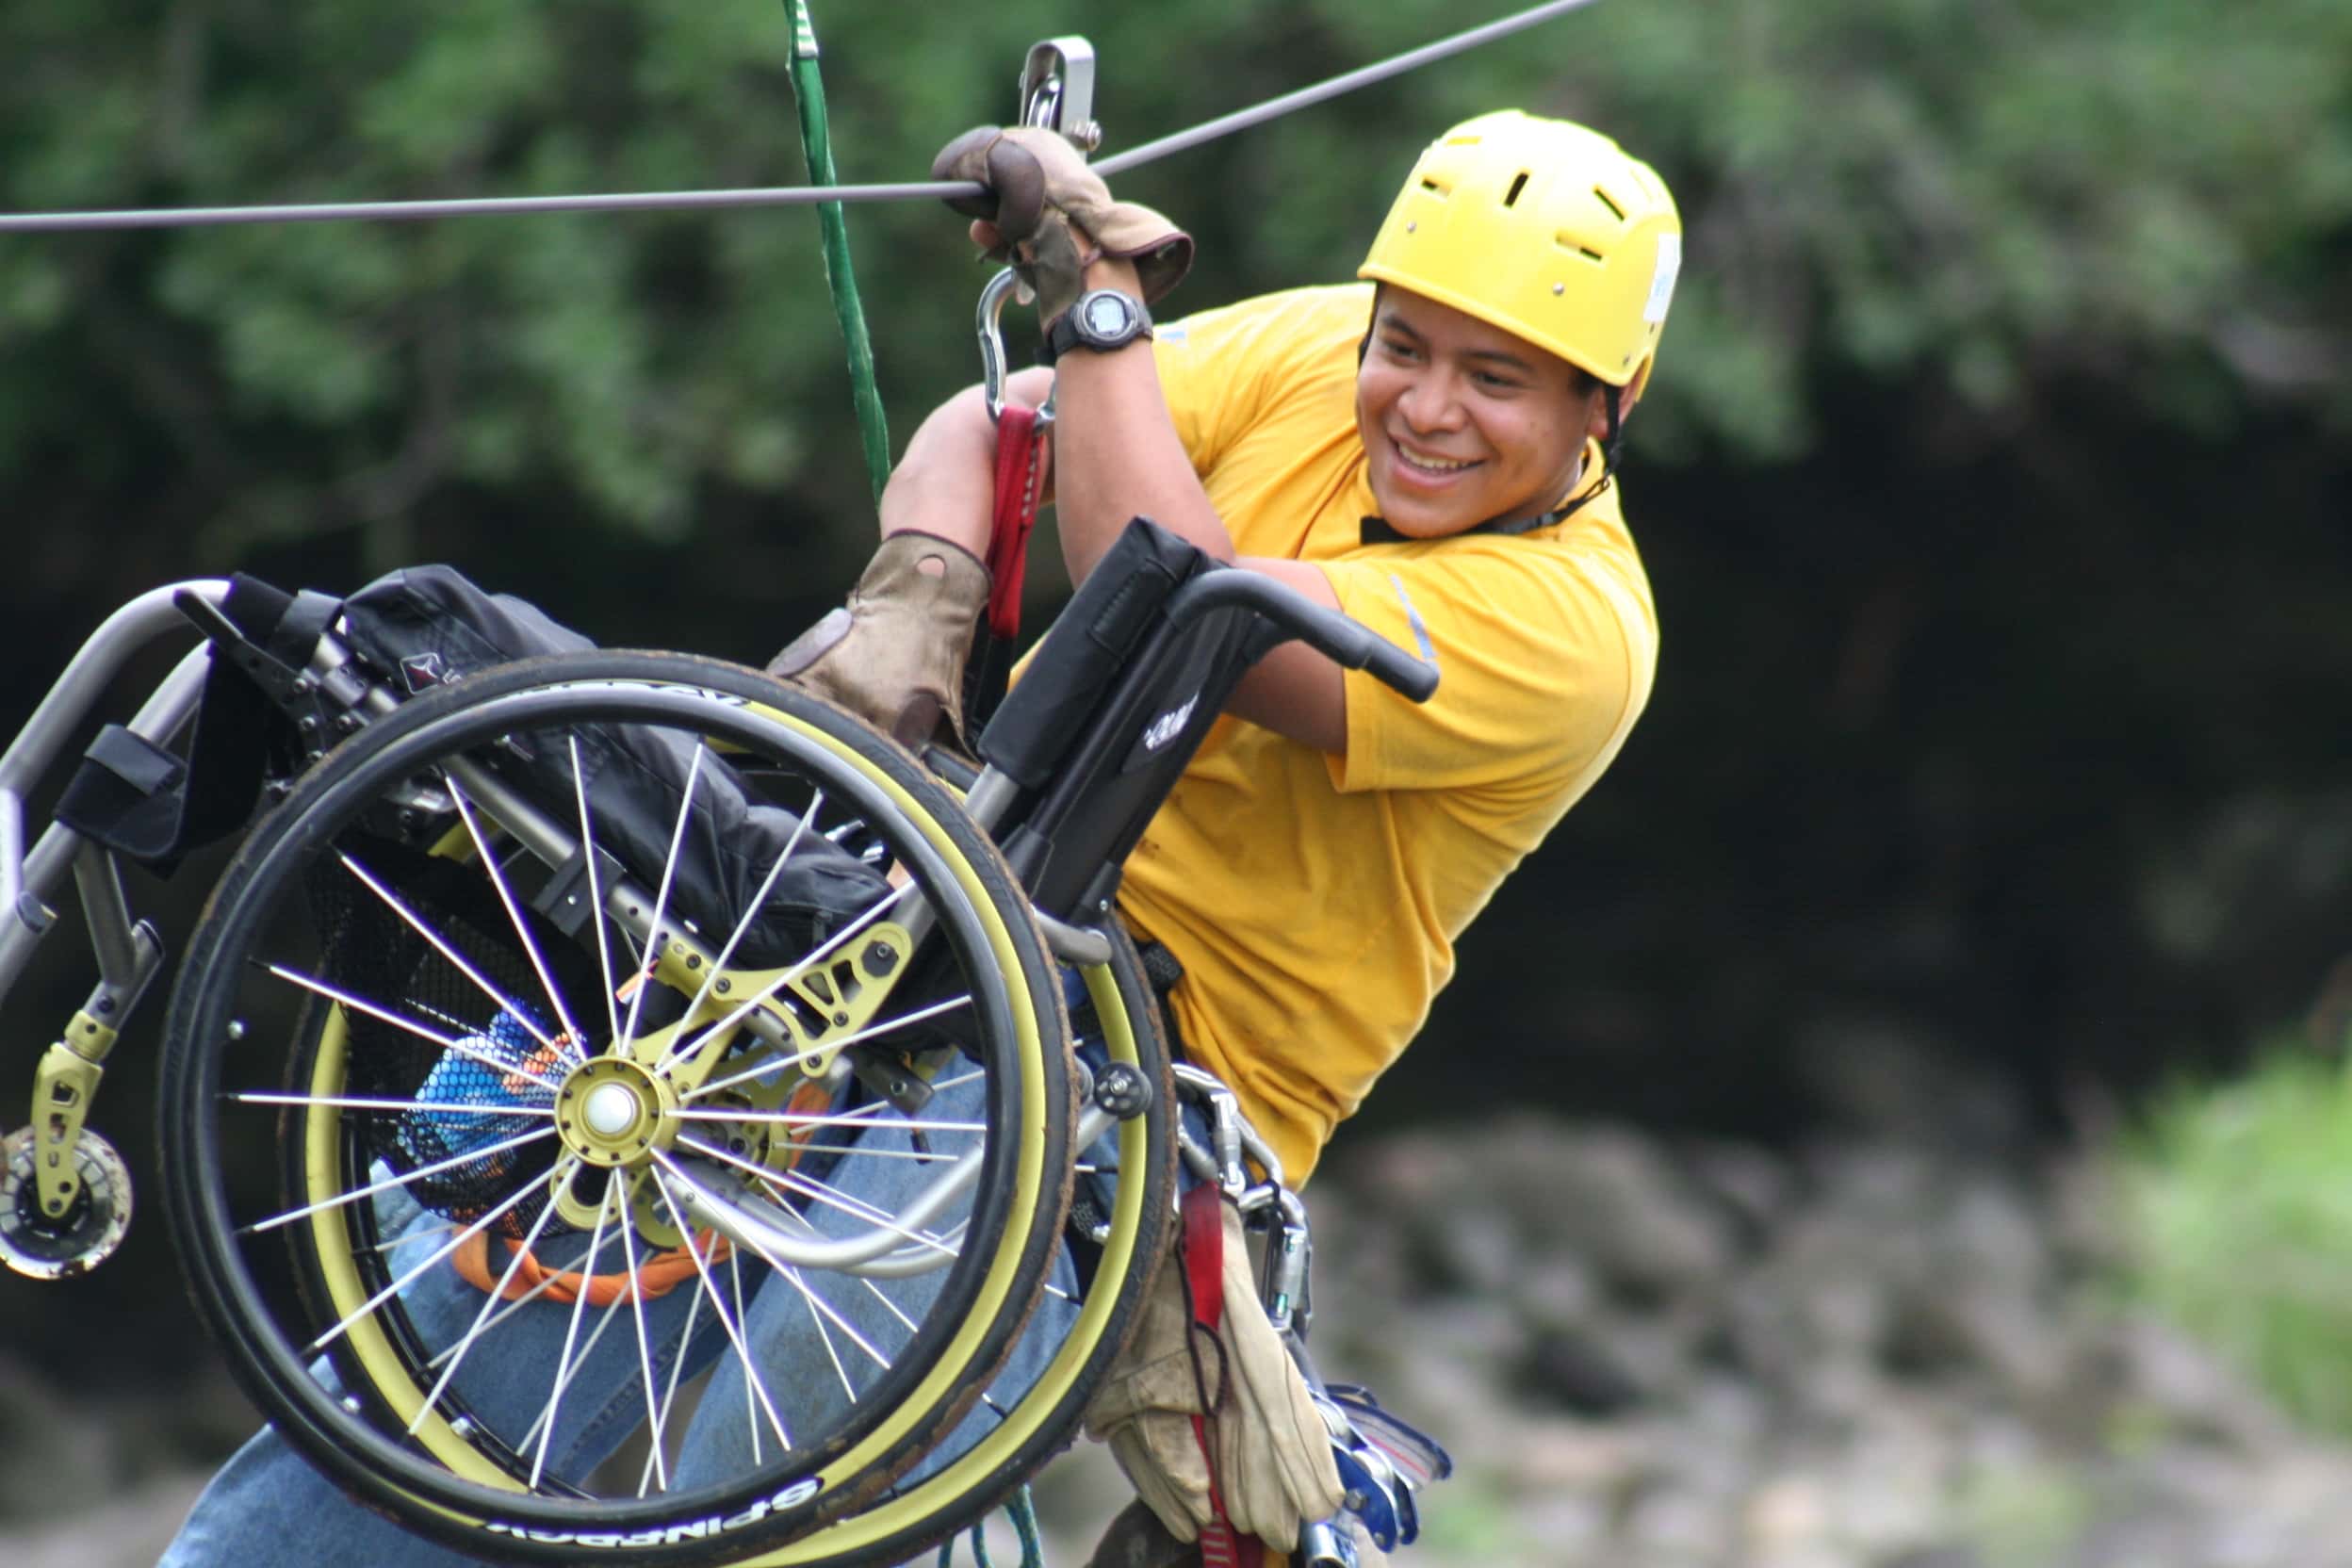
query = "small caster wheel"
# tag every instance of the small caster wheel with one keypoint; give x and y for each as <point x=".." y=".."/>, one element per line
<point x="1122" y="1091"/>
<point x="31" y="1242"/>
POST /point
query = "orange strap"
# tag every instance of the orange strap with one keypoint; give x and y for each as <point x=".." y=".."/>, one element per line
<point x="657" y="1276"/>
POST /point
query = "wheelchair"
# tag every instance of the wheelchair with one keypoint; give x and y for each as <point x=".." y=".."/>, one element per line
<point x="674" y="1010"/>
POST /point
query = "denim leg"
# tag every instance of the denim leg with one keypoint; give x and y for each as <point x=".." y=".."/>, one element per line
<point x="818" y="1336"/>
<point x="267" y="1506"/>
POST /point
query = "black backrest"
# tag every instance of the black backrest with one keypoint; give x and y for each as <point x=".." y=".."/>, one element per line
<point x="1112" y="707"/>
<point x="1086" y="647"/>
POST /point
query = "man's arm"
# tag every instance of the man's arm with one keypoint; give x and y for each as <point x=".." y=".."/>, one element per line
<point x="1115" y="456"/>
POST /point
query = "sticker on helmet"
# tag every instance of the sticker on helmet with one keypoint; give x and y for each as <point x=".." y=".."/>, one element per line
<point x="1662" y="281"/>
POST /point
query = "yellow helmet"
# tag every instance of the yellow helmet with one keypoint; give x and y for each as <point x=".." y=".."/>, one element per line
<point x="1542" y="228"/>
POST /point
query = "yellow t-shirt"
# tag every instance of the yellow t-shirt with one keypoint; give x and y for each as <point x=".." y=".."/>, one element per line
<point x="1315" y="899"/>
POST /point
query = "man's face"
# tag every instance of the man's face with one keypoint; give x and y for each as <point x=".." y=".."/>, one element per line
<point x="1462" y="422"/>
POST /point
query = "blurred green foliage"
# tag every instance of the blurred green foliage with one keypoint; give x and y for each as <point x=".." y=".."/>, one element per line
<point x="1986" y="195"/>
<point x="1993" y="488"/>
<point x="2238" y="1224"/>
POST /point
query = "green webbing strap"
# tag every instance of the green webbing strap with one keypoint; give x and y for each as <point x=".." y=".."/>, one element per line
<point x="840" y="277"/>
<point x="1023" y="1513"/>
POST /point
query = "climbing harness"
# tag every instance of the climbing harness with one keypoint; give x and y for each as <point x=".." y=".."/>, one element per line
<point x="1221" y="1545"/>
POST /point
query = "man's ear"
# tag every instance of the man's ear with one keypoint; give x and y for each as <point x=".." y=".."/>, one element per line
<point x="1596" y="423"/>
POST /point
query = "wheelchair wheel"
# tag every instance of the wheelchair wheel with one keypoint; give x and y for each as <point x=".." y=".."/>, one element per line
<point x="1123" y="1225"/>
<point x="616" y="1106"/>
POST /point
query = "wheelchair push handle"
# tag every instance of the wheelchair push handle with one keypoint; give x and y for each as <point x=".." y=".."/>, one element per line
<point x="1348" y="642"/>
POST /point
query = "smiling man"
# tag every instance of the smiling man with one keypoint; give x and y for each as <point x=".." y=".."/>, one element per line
<point x="1431" y="451"/>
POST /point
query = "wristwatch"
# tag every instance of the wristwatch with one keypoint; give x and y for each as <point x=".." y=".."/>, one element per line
<point x="1103" y="319"/>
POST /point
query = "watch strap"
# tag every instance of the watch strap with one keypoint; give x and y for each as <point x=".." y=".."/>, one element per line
<point x="1063" y="334"/>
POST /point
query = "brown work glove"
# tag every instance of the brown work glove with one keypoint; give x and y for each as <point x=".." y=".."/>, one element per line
<point x="1273" y="1452"/>
<point x="1039" y="188"/>
<point x="895" y="655"/>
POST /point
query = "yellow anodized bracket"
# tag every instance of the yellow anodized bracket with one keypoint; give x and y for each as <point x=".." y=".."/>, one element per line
<point x="810" y="1011"/>
<point x="62" y="1088"/>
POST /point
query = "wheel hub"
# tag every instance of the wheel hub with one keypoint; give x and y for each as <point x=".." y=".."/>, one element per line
<point x="612" y="1112"/>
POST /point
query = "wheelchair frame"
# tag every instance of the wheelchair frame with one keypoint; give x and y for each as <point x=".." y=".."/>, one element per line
<point x="74" y="1168"/>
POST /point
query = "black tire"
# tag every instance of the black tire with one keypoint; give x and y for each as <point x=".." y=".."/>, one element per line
<point x="282" y="1136"/>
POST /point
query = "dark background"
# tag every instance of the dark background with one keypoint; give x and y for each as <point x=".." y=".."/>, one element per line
<point x="1994" y="486"/>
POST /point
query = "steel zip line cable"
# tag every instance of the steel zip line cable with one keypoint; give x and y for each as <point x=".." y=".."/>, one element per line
<point x="772" y="196"/>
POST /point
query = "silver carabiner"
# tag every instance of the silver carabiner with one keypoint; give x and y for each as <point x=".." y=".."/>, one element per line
<point x="1057" y="94"/>
<point x="989" y="325"/>
<point x="1283" y="1284"/>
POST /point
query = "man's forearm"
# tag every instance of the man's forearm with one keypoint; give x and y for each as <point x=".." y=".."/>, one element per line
<point x="1115" y="451"/>
<point x="947" y="483"/>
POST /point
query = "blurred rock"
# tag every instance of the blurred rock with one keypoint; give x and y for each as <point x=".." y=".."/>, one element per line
<point x="1579" y="1373"/>
<point x="1858" y="1354"/>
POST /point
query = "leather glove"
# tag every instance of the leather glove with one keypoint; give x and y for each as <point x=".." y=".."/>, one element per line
<point x="894" y="656"/>
<point x="1273" y="1452"/>
<point x="1039" y="188"/>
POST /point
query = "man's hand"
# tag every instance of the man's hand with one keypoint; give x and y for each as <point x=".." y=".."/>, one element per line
<point x="894" y="656"/>
<point x="1039" y="190"/>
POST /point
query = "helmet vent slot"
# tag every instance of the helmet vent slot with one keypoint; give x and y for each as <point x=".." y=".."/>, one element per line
<point x="1614" y="210"/>
<point x="1511" y="197"/>
<point x="1436" y="187"/>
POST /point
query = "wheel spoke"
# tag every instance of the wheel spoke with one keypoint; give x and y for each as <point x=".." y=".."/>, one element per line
<point x="442" y="945"/>
<point x="816" y="1305"/>
<point x="735" y="1284"/>
<point x="380" y="1297"/>
<point x="336" y="993"/>
<point x="355" y="1102"/>
<point x="661" y="899"/>
<point x="733" y="1328"/>
<point x="582" y="1265"/>
<point x="513" y="912"/>
<point x="796" y="1218"/>
<point x="634" y="1290"/>
<point x="830" y="1197"/>
<point x="803" y="1058"/>
<point x="545" y="1425"/>
<point x="734" y="939"/>
<point x="473" y="1336"/>
<point x="814" y="957"/>
<point x="596" y="894"/>
<point x="703" y="1289"/>
<point x="385" y="1184"/>
<point x="857" y="1120"/>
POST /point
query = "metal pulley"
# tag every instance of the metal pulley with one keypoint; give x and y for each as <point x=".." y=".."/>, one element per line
<point x="1057" y="91"/>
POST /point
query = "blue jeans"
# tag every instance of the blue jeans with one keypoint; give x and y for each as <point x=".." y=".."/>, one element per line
<point x="267" y="1507"/>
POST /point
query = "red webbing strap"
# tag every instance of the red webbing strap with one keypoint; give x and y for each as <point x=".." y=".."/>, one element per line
<point x="1221" y="1545"/>
<point x="1020" y="466"/>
